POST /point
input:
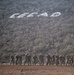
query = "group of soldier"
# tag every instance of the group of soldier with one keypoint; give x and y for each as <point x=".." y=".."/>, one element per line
<point x="42" y="60"/>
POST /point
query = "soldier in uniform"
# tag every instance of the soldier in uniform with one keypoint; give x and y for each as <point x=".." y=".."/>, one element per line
<point x="29" y="59"/>
<point x="41" y="59"/>
<point x="26" y="59"/>
<point x="57" y="60"/>
<point x="48" y="60"/>
<point x="61" y="59"/>
<point x="12" y="60"/>
<point x="67" y="60"/>
<point x="71" y="60"/>
<point x="20" y="59"/>
<point x="7" y="59"/>
<point x="17" y="59"/>
<point x="53" y="59"/>
<point x="35" y="59"/>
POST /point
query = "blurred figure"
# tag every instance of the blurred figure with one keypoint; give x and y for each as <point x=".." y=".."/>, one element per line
<point x="67" y="60"/>
<point x="57" y="60"/>
<point x="26" y="59"/>
<point x="29" y="59"/>
<point x="35" y="59"/>
<point x="41" y="59"/>
<point x="20" y="59"/>
<point x="53" y="59"/>
<point x="12" y="60"/>
<point x="17" y="59"/>
<point x="6" y="59"/>
<point x="48" y="59"/>
<point x="63" y="60"/>
<point x="71" y="60"/>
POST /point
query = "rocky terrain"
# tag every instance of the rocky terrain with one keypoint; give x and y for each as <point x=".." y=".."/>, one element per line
<point x="37" y="34"/>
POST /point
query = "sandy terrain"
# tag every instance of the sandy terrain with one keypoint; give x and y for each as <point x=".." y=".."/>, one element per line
<point x="36" y="70"/>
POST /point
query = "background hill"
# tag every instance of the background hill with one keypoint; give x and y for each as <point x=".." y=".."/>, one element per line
<point x="37" y="34"/>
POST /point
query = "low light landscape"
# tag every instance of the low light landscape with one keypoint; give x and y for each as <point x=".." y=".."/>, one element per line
<point x="36" y="33"/>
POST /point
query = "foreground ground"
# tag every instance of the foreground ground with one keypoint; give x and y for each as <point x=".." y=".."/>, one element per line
<point x="36" y="70"/>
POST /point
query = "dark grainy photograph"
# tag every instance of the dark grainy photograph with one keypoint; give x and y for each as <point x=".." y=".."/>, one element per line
<point x="36" y="37"/>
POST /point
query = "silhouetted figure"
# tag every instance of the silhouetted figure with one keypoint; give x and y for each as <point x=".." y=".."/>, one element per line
<point x="20" y="59"/>
<point x="48" y="60"/>
<point x="17" y="59"/>
<point x="57" y="60"/>
<point x="68" y="60"/>
<point x="71" y="60"/>
<point x="35" y="59"/>
<point x="41" y="59"/>
<point x="26" y="59"/>
<point x="12" y="60"/>
<point x="29" y="59"/>
<point x="63" y="59"/>
<point x="53" y="59"/>
<point x="6" y="59"/>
